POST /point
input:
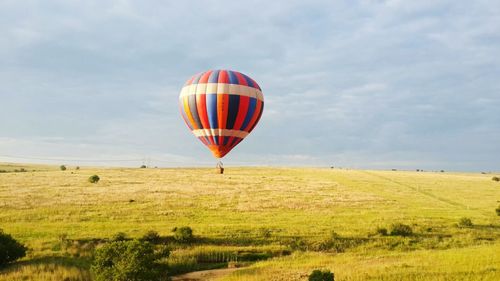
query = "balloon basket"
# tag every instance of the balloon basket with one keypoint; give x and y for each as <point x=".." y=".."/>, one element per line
<point x="219" y="169"/>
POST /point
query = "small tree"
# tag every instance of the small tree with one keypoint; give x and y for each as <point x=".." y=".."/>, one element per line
<point x="10" y="249"/>
<point x="265" y="232"/>
<point x="498" y="210"/>
<point x="495" y="179"/>
<point x="119" y="236"/>
<point x="62" y="167"/>
<point x="94" y="179"/>
<point x="77" y="168"/>
<point x="318" y="275"/>
<point x="183" y="234"/>
<point x="126" y="261"/>
<point x="399" y="229"/>
<point x="382" y="231"/>
<point x="465" y="222"/>
<point x="143" y="167"/>
<point x="151" y="236"/>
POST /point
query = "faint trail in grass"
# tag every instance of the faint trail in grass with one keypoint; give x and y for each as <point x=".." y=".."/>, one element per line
<point x="212" y="274"/>
<point x="418" y="190"/>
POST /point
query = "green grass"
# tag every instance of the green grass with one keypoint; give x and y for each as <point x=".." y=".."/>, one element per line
<point x="471" y="263"/>
<point x="278" y="208"/>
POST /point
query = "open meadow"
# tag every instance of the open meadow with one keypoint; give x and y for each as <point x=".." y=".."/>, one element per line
<point x="276" y="223"/>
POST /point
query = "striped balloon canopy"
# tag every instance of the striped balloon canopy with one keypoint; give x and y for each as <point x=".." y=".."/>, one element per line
<point x="221" y="107"/>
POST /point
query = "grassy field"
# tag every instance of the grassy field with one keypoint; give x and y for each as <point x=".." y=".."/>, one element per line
<point x="282" y="216"/>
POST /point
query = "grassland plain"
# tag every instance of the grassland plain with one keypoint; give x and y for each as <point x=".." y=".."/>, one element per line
<point x="261" y="213"/>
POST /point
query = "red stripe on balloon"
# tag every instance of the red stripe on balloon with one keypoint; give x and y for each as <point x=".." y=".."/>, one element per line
<point x="201" y="105"/>
<point x="241" y="79"/>
<point x="204" y="77"/>
<point x="222" y="110"/>
<point x="242" y="112"/>
<point x="223" y="77"/>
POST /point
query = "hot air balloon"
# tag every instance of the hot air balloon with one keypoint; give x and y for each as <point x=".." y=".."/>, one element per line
<point x="221" y="107"/>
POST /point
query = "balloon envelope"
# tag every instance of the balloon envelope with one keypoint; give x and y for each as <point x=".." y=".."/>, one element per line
<point x="221" y="107"/>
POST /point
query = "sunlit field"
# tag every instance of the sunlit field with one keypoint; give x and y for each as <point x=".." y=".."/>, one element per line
<point x="276" y="223"/>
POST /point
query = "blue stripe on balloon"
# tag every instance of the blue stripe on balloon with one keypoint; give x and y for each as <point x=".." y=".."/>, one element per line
<point x="212" y="110"/>
<point x="234" y="105"/>
<point x="258" y="118"/>
<point x="214" y="76"/>
<point x="233" y="79"/>
<point x="251" y="110"/>
<point x="226" y="139"/>
<point x="249" y="81"/>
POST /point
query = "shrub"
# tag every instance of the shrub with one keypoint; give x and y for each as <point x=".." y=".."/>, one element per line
<point x="126" y="261"/>
<point x="183" y="234"/>
<point x="336" y="244"/>
<point x="399" y="229"/>
<point x="382" y="231"/>
<point x="151" y="236"/>
<point x="94" y="179"/>
<point x="10" y="249"/>
<point x="119" y="236"/>
<point x="297" y="244"/>
<point x="495" y="179"/>
<point x="498" y="210"/>
<point x="77" y="168"/>
<point x="318" y="275"/>
<point x="62" y="167"/>
<point x="465" y="222"/>
<point x="265" y="232"/>
<point x="334" y="234"/>
<point x="143" y="166"/>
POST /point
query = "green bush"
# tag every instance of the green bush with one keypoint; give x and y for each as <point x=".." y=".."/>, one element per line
<point x="495" y="179"/>
<point x="498" y="210"/>
<point x="143" y="166"/>
<point x="183" y="234"/>
<point x="399" y="229"/>
<point x="126" y="261"/>
<point x="62" y="167"/>
<point x="465" y="222"/>
<point x="94" y="179"/>
<point x="318" y="275"/>
<point x="151" y="236"/>
<point x="10" y="249"/>
<point x="265" y="232"/>
<point x="119" y="236"/>
<point x="382" y="231"/>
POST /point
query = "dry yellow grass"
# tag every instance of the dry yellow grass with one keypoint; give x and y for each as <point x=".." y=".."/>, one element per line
<point x="37" y="207"/>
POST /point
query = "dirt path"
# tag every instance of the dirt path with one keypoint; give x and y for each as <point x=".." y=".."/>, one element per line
<point x="213" y="274"/>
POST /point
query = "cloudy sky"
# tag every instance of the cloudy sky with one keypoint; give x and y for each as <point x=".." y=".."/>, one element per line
<point x="366" y="84"/>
